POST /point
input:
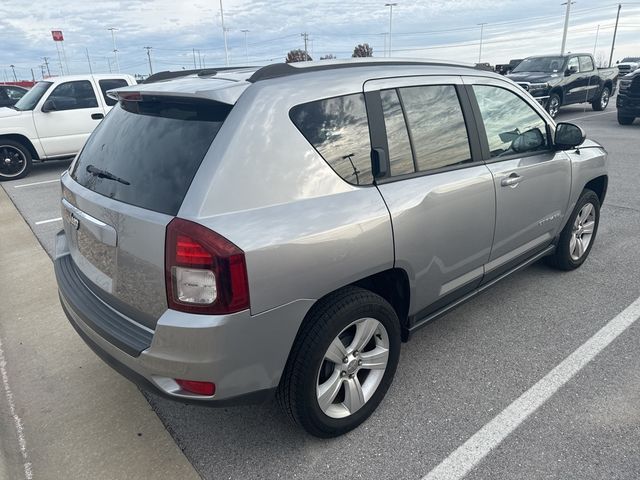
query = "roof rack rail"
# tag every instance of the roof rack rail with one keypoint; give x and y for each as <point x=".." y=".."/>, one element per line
<point x="201" y="72"/>
<point x="277" y="70"/>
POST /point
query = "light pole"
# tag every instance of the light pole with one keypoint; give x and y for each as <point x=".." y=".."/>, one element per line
<point x="615" y="32"/>
<point x="148" y="49"/>
<point x="390" y="5"/>
<point x="246" y="47"/>
<point x="595" y="45"/>
<point x="566" y="25"/>
<point x="15" y="79"/>
<point x="224" y="35"/>
<point x="115" y="50"/>
<point x="481" y="34"/>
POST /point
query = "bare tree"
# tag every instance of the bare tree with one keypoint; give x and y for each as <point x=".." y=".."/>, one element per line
<point x="328" y="56"/>
<point x="601" y="60"/>
<point x="298" y="55"/>
<point x="363" y="50"/>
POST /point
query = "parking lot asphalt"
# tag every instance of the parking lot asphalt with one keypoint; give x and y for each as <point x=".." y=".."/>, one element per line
<point x="460" y="372"/>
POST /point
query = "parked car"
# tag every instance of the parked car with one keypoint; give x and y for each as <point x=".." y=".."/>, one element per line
<point x="628" y="65"/>
<point x="505" y="69"/>
<point x="53" y="120"/>
<point x="628" y="100"/>
<point x="232" y="236"/>
<point x="9" y="95"/>
<point x="564" y="80"/>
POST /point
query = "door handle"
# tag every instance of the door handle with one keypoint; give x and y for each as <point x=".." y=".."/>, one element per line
<point x="97" y="116"/>
<point x="511" y="181"/>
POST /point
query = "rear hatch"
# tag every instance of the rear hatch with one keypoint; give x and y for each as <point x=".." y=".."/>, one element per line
<point x="124" y="188"/>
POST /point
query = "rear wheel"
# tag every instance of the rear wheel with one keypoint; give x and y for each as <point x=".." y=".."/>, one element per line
<point x="624" y="119"/>
<point x="579" y="233"/>
<point x="342" y="363"/>
<point x="15" y="160"/>
<point x="553" y="105"/>
<point x="602" y="101"/>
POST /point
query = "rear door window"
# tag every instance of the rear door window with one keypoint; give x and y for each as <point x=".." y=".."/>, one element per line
<point x="338" y="129"/>
<point x="154" y="148"/>
<point x="73" y="96"/>
<point x="110" y="84"/>
<point x="436" y="126"/>
<point x="400" y="153"/>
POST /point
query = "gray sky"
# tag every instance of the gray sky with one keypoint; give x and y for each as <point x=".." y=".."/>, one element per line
<point x="437" y="29"/>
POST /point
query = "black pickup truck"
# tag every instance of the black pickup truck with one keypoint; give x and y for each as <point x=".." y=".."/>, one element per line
<point x="628" y="101"/>
<point x="558" y="80"/>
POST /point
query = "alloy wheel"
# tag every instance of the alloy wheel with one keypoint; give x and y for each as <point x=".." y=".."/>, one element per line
<point x="583" y="228"/>
<point x="604" y="99"/>
<point x="554" y="107"/>
<point x="352" y="368"/>
<point x="12" y="161"/>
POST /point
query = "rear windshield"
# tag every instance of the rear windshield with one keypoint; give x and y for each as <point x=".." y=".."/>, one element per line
<point x="151" y="151"/>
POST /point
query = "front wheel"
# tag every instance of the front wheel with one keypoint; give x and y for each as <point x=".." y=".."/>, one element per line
<point x="15" y="160"/>
<point x="579" y="233"/>
<point x="624" y="119"/>
<point x="553" y="105"/>
<point x="602" y="101"/>
<point x="342" y="363"/>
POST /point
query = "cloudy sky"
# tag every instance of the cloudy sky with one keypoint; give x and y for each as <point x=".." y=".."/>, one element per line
<point x="439" y="29"/>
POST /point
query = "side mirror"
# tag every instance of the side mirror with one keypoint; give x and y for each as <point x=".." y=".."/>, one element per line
<point x="570" y="71"/>
<point x="49" y="106"/>
<point x="529" y="141"/>
<point x="568" y="136"/>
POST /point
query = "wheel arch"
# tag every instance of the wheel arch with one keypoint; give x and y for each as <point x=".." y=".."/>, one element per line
<point x="599" y="186"/>
<point x="558" y="91"/>
<point x="24" y="141"/>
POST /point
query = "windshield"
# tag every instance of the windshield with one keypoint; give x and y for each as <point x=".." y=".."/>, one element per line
<point x="33" y="96"/>
<point x="540" y="64"/>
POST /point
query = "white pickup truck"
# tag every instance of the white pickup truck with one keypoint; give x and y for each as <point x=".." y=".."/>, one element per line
<point x="54" y="119"/>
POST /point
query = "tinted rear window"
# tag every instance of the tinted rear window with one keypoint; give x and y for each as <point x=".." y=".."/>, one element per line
<point x="154" y="146"/>
<point x="339" y="130"/>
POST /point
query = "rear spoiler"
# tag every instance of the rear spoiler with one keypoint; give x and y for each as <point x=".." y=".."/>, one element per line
<point x="201" y="72"/>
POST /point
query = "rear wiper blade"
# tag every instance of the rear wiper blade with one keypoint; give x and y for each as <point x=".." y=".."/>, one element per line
<point x="93" y="170"/>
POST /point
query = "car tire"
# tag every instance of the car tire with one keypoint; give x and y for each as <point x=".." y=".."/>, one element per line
<point x="329" y="396"/>
<point x="15" y="160"/>
<point x="601" y="102"/>
<point x="578" y="235"/>
<point x="553" y="105"/>
<point x="625" y="120"/>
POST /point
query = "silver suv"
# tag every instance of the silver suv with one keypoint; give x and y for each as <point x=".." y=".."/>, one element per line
<point x="236" y="234"/>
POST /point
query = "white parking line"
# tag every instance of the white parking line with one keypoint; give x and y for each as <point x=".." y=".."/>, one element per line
<point x="587" y="116"/>
<point x="17" y="421"/>
<point x="41" y="222"/>
<point x="36" y="183"/>
<point x="469" y="454"/>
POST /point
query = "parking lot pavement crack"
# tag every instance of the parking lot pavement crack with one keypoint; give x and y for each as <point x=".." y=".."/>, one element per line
<point x="622" y="207"/>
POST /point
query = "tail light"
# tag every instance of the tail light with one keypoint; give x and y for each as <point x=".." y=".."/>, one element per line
<point x="205" y="272"/>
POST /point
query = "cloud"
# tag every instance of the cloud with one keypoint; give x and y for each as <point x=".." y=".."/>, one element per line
<point x="444" y="29"/>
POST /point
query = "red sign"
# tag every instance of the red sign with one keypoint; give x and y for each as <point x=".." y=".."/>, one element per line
<point x="57" y="35"/>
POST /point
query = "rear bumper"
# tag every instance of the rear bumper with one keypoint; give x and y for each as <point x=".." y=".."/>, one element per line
<point x="242" y="354"/>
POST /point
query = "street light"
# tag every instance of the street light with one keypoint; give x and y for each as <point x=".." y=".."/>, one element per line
<point x="481" y="33"/>
<point x="224" y="35"/>
<point x="115" y="50"/>
<point x="14" y="72"/>
<point x="390" y="5"/>
<point x="568" y="3"/>
<point x="148" y="49"/>
<point x="246" y="48"/>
